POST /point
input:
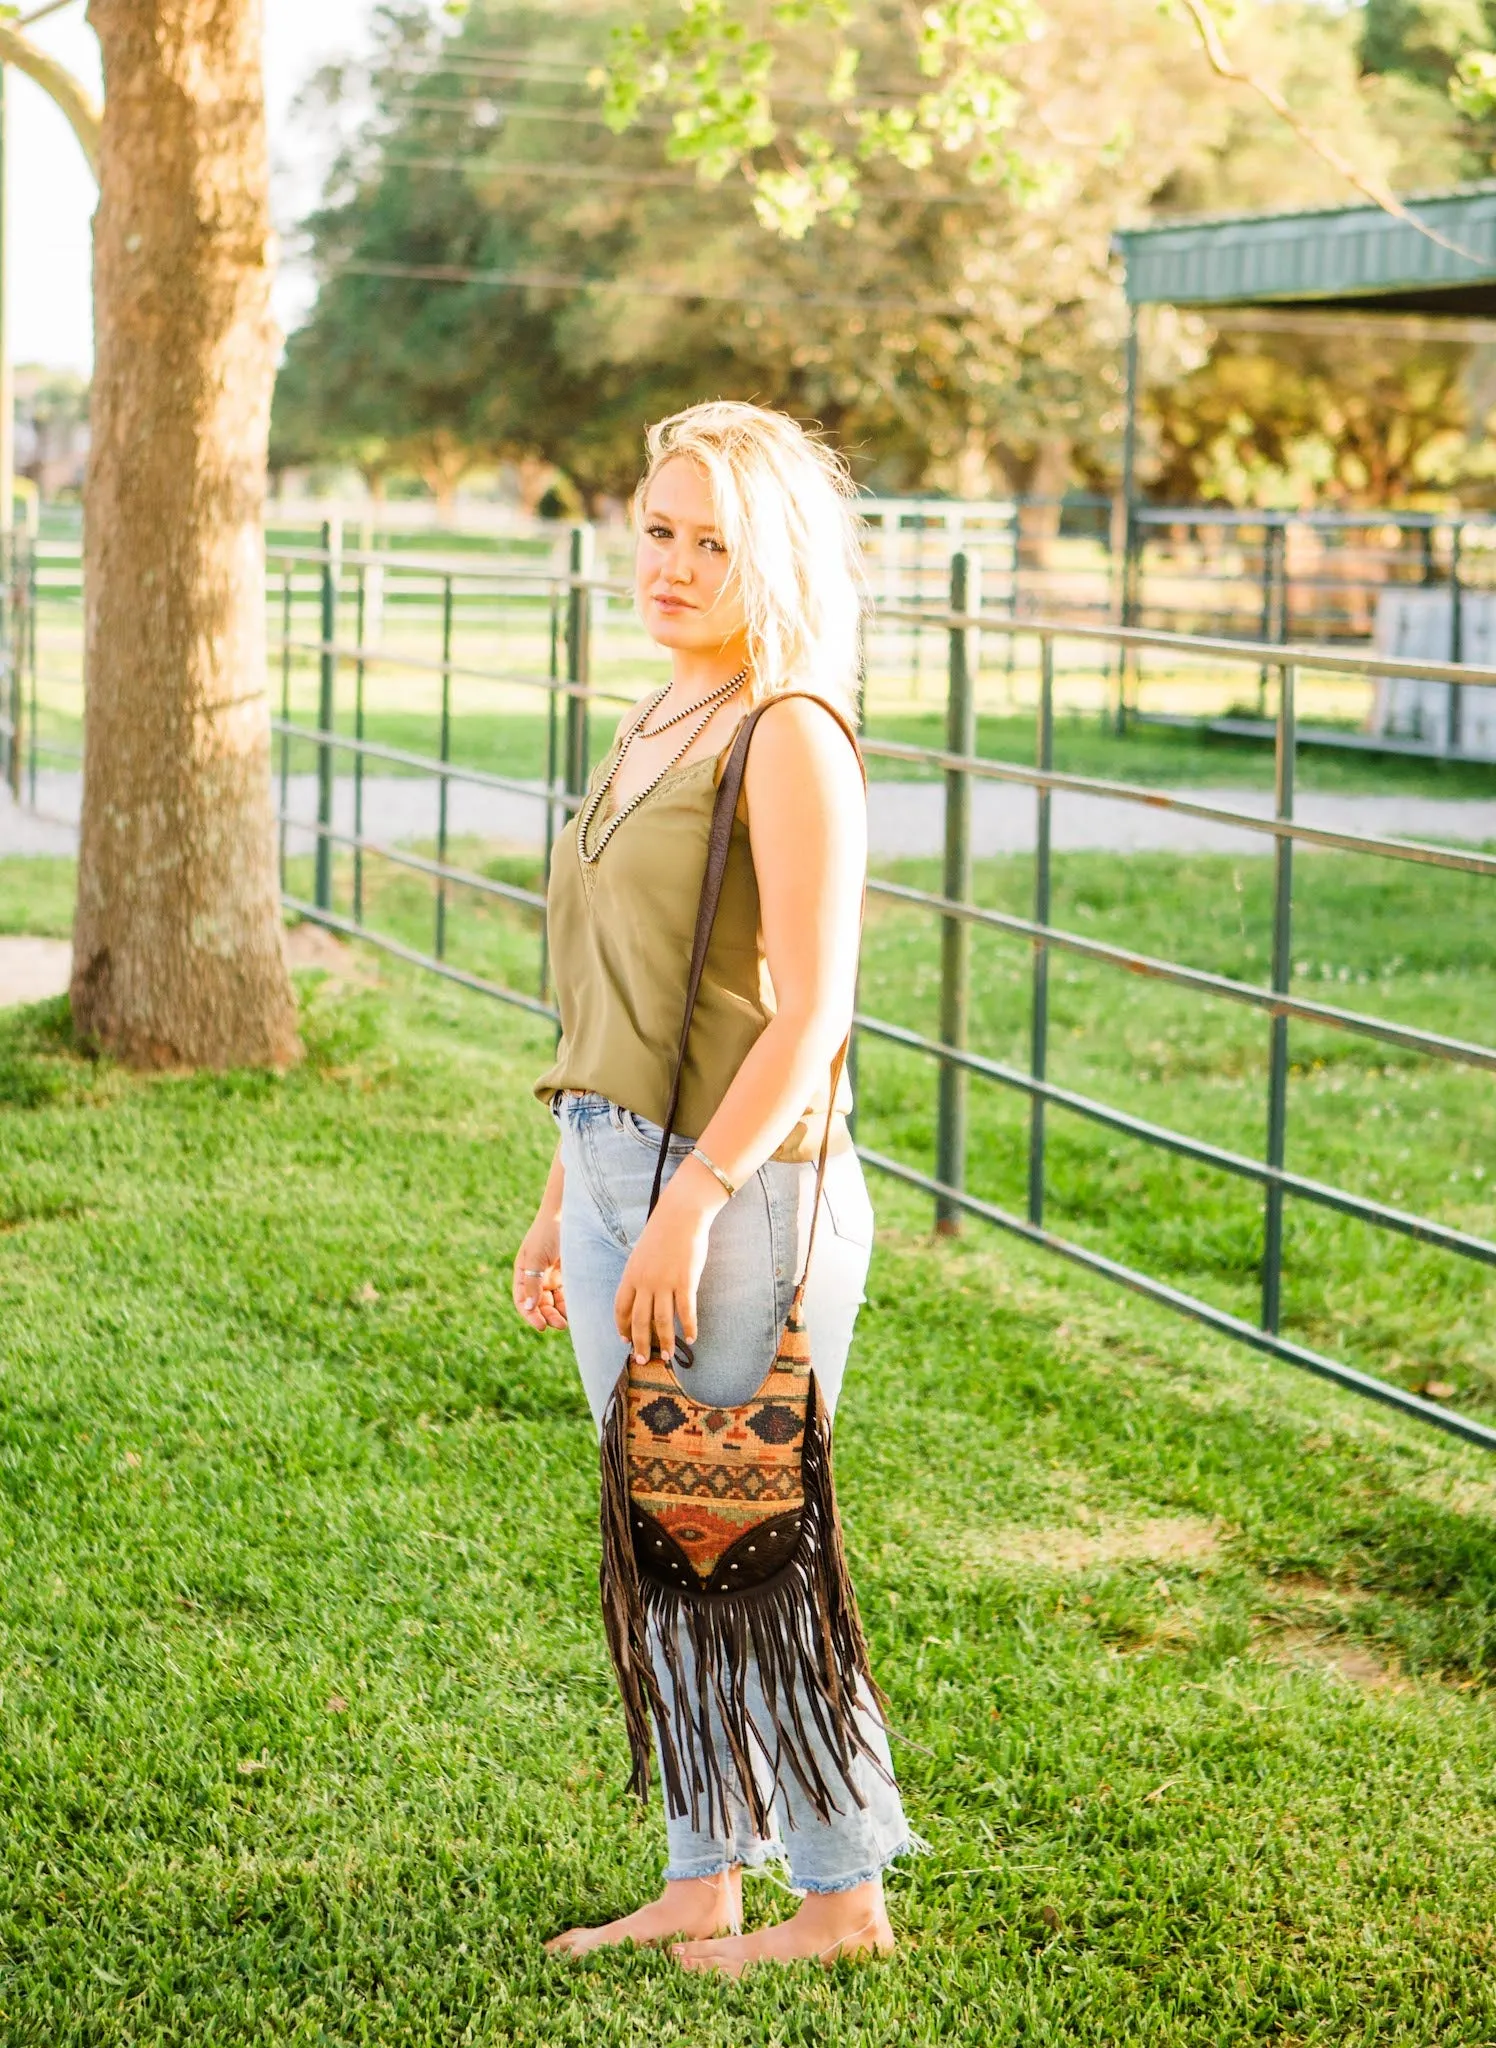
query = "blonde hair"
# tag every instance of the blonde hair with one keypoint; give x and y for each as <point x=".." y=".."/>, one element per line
<point x="785" y="508"/>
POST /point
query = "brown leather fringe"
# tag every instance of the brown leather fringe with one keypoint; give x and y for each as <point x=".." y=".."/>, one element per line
<point x="800" y="1630"/>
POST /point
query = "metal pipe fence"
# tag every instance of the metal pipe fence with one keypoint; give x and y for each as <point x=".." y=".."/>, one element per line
<point x="20" y="744"/>
<point x="564" y="606"/>
<point x="1409" y="583"/>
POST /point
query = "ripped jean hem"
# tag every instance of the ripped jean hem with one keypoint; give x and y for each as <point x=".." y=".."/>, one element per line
<point x="753" y="1856"/>
<point x="912" y="1845"/>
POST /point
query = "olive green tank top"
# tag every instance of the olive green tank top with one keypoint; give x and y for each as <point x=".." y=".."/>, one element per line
<point x="620" y="933"/>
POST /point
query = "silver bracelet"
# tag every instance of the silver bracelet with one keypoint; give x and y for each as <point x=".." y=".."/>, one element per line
<point x="712" y="1167"/>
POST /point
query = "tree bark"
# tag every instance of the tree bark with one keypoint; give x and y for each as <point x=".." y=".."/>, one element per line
<point x="178" y="953"/>
<point x="1049" y="477"/>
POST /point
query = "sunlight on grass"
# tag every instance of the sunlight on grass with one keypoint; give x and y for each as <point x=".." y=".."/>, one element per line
<point x="308" y="1729"/>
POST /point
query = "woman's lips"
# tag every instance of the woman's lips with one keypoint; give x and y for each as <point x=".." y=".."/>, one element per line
<point x="672" y="604"/>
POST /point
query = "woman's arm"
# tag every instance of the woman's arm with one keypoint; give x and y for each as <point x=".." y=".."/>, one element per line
<point x="807" y="823"/>
<point x="539" y="1293"/>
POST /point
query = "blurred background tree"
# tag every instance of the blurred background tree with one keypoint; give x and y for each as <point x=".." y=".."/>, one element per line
<point x="963" y="336"/>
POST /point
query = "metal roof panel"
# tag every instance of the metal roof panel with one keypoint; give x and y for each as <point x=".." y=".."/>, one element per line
<point x="1349" y="252"/>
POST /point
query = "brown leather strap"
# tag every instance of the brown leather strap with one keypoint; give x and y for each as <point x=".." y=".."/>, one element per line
<point x="719" y="840"/>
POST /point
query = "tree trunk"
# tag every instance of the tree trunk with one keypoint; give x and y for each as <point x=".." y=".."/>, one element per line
<point x="178" y="955"/>
<point x="1039" y="522"/>
<point x="534" y="477"/>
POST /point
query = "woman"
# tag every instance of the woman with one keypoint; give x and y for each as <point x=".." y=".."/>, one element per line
<point x="748" y="572"/>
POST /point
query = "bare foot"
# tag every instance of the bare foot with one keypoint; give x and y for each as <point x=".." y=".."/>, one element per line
<point x="696" y="1907"/>
<point x="828" y="1925"/>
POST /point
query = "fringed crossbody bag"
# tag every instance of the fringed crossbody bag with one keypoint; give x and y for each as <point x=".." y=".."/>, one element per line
<point x="721" y="1547"/>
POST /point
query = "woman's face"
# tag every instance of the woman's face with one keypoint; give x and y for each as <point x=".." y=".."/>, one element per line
<point x="685" y="595"/>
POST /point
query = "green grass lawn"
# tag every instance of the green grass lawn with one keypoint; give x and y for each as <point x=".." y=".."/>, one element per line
<point x="308" y="1730"/>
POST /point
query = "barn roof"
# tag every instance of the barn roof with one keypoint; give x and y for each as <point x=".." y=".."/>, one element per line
<point x="1354" y="257"/>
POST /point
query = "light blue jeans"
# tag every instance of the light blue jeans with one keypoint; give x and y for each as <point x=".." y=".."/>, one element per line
<point x="753" y="1261"/>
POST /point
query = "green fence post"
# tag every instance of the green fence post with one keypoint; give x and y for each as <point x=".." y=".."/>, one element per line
<point x="444" y="756"/>
<point x="360" y="626"/>
<point x="1132" y="604"/>
<point x="326" y="701"/>
<point x="1270" y="624"/>
<point x="1039" y="1019"/>
<point x="552" y="763"/>
<point x="12" y="638"/>
<point x="285" y="738"/>
<point x="33" y="679"/>
<point x="955" y="932"/>
<point x="1456" y="639"/>
<point x="578" y="658"/>
<point x="1277" y="1077"/>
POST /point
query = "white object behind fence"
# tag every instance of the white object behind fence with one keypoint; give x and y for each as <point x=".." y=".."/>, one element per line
<point x="1418" y="625"/>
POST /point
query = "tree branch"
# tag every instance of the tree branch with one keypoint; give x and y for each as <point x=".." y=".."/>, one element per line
<point x="60" y="86"/>
<point x="1372" y="188"/>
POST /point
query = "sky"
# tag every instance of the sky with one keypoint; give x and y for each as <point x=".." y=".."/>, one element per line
<point x="50" y="194"/>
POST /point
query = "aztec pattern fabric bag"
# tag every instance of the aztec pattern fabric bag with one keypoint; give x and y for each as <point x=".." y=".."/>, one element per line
<point x="721" y="1546"/>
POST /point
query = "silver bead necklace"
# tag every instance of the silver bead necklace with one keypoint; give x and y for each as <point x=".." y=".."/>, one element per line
<point x="702" y="711"/>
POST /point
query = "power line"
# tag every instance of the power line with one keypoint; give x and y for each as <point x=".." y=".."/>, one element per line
<point x="641" y="288"/>
<point x="605" y="174"/>
<point x="528" y="110"/>
<point x="580" y="68"/>
<point x="529" y="71"/>
<point x="601" y="174"/>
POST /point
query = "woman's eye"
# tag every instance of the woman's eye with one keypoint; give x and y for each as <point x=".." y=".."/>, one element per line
<point x="658" y="532"/>
<point x="715" y="545"/>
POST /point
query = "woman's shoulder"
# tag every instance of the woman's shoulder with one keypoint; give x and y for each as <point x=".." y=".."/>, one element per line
<point x="801" y="726"/>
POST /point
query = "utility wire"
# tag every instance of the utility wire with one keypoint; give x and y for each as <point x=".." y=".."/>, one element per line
<point x="601" y="174"/>
<point x="643" y="288"/>
<point x="604" y="174"/>
<point x="527" y="71"/>
<point x="581" y="69"/>
<point x="529" y="110"/>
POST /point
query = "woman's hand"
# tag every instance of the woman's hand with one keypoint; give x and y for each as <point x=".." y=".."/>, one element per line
<point x="659" y="1282"/>
<point x="539" y="1294"/>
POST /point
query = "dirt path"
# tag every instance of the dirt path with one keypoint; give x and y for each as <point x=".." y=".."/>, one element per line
<point x="907" y="818"/>
<point x="31" y="970"/>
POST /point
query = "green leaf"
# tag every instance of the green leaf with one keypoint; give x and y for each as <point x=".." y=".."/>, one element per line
<point x="1473" y="86"/>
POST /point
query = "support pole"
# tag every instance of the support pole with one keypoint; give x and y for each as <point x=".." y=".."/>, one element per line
<point x="552" y="763"/>
<point x="1039" y="1022"/>
<point x="1130" y="417"/>
<point x="359" y="629"/>
<point x="578" y="660"/>
<point x="1453" y="731"/>
<point x="1277" y="1078"/>
<point x="955" y="932"/>
<point x="326" y="708"/>
<point x="444" y="784"/>
<point x="285" y="703"/>
<point x="1128" y="596"/>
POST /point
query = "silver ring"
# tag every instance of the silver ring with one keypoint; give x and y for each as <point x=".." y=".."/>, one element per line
<point x="533" y="1272"/>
